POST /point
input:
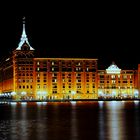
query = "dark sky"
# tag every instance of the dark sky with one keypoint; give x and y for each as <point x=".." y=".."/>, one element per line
<point x="109" y="34"/>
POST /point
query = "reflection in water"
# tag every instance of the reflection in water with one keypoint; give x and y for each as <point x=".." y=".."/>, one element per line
<point x="74" y="133"/>
<point x="115" y="121"/>
<point x="101" y="104"/>
<point x="101" y="120"/>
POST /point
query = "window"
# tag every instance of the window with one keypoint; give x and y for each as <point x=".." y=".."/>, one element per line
<point x="112" y="76"/>
<point x="124" y="76"/>
<point x="38" y="86"/>
<point x="52" y="63"/>
<point x="38" y="63"/>
<point x="44" y="86"/>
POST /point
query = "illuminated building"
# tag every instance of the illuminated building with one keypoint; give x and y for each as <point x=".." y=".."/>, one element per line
<point x="114" y="82"/>
<point x="24" y="76"/>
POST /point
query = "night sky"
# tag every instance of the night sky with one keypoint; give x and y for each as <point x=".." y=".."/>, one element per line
<point x="109" y="34"/>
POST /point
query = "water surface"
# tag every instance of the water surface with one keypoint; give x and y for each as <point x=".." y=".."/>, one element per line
<point x="97" y="120"/>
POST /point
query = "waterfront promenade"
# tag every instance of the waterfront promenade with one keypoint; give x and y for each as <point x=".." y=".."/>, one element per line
<point x="69" y="100"/>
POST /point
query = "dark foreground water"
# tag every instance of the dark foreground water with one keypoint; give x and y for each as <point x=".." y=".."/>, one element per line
<point x="110" y="120"/>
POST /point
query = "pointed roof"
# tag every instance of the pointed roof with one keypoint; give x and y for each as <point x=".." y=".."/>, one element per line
<point x="113" y="69"/>
<point x="23" y="38"/>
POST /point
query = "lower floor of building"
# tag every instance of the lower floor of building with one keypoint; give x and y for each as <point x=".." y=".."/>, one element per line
<point x="43" y="95"/>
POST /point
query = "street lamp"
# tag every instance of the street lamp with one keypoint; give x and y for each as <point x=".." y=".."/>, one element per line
<point x="44" y="93"/>
<point x="38" y="93"/>
<point x="13" y="94"/>
<point x="73" y="93"/>
<point x="136" y="93"/>
<point x="23" y="93"/>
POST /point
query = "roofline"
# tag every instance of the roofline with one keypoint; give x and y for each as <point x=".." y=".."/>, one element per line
<point x="65" y="58"/>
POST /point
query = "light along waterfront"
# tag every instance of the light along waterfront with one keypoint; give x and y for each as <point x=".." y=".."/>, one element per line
<point x="82" y="120"/>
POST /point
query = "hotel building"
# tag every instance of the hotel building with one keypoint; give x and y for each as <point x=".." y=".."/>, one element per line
<point x="22" y="75"/>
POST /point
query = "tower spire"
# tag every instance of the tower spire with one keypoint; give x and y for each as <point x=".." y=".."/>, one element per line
<point x="23" y="38"/>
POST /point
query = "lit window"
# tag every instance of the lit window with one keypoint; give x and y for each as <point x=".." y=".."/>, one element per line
<point x="38" y="86"/>
<point x="112" y="76"/>
<point x="125" y="77"/>
<point x="87" y="86"/>
<point x="38" y="63"/>
<point x="52" y="63"/>
<point x="113" y="81"/>
<point x="44" y="86"/>
<point x="38" y="75"/>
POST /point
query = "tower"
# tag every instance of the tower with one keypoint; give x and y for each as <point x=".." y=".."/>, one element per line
<point x="23" y="67"/>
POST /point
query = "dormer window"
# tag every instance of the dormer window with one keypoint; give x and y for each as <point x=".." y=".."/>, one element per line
<point x="25" y="48"/>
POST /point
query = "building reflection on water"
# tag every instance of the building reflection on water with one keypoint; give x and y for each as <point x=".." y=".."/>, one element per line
<point x="70" y="120"/>
<point x="115" y="123"/>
